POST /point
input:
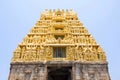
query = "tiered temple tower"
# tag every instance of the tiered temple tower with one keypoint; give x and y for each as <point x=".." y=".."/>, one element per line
<point x="59" y="47"/>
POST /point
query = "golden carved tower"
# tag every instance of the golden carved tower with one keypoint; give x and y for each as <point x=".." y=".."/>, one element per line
<point x="59" y="47"/>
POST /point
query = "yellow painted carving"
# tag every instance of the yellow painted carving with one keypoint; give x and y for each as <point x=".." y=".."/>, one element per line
<point x="37" y="45"/>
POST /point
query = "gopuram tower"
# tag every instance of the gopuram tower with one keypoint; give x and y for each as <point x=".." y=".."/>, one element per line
<point x="59" y="47"/>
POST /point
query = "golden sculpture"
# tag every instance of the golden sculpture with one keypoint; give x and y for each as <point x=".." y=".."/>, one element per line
<point x="58" y="29"/>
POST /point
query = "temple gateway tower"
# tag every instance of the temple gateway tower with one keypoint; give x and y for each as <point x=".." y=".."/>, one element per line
<point x="59" y="47"/>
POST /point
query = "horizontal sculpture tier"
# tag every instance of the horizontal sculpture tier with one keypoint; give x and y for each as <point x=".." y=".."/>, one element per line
<point x="26" y="53"/>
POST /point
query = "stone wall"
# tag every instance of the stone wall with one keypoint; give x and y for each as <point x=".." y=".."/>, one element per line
<point x="38" y="71"/>
<point x="91" y="71"/>
<point x="27" y="71"/>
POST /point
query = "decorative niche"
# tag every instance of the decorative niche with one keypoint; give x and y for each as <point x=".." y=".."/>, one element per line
<point x="59" y="36"/>
<point x="58" y="28"/>
<point x="59" y="52"/>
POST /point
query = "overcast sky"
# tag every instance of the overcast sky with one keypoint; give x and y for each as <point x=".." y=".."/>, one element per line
<point x="100" y="17"/>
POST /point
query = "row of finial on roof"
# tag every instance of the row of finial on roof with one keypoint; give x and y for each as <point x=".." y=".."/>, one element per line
<point x="61" y="10"/>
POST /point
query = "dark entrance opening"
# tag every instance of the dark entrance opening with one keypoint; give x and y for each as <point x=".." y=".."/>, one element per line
<point x="63" y="73"/>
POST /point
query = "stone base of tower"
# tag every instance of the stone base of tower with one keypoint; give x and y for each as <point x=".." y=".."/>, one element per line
<point x="59" y="70"/>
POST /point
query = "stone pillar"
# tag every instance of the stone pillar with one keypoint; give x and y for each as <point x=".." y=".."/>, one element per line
<point x="45" y="72"/>
<point x="73" y="72"/>
<point x="77" y="72"/>
<point x="85" y="72"/>
<point x="11" y="74"/>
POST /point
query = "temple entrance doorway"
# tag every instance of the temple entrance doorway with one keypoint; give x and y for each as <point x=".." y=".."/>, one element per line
<point x="62" y="73"/>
